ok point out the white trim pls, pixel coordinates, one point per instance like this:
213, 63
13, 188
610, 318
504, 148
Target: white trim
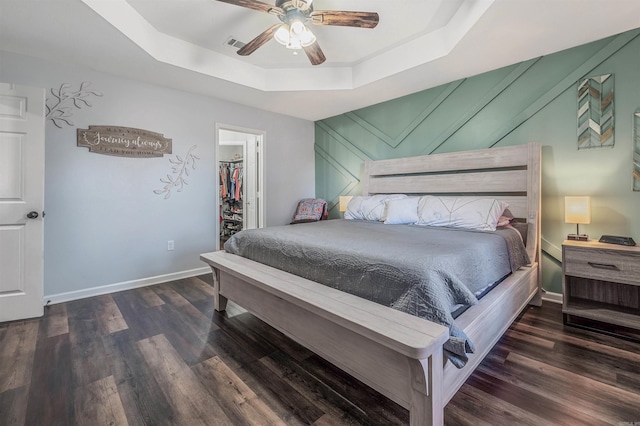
125, 285
552, 297
552, 250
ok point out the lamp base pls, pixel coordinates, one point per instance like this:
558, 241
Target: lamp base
578, 237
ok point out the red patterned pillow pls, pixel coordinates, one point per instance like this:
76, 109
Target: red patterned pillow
310, 210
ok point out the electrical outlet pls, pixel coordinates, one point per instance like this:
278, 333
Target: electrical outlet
170, 245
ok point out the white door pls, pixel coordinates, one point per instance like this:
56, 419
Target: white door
250, 183
21, 201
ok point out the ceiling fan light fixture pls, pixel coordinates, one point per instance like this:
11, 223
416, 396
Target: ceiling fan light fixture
294, 36
282, 34
307, 38
294, 43
297, 27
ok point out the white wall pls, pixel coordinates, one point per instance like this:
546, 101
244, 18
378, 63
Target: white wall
104, 224
227, 152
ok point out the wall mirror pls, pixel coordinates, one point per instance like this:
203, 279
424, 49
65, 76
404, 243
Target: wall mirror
595, 112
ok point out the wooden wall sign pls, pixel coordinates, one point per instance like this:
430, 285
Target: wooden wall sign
124, 141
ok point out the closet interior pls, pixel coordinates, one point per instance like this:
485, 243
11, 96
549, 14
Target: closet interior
231, 197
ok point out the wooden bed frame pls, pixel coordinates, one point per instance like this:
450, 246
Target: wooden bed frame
397, 354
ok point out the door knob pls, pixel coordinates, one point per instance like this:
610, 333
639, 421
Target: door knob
32, 215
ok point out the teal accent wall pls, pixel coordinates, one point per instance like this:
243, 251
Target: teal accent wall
534, 100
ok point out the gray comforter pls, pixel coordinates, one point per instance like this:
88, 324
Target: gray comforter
420, 270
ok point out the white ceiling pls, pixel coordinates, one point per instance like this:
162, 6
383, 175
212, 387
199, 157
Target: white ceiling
418, 44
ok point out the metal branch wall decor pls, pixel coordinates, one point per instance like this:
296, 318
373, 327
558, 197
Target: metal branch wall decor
595, 112
180, 169
60, 108
636, 151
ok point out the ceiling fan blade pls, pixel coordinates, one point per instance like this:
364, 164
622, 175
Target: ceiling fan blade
256, 5
344, 18
262, 38
315, 54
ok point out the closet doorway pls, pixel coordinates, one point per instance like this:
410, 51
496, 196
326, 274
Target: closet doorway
240, 182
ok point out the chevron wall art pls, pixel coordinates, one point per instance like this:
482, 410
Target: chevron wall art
595, 112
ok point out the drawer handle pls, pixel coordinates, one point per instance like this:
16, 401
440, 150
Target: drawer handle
603, 266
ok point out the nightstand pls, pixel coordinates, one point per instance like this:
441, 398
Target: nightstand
601, 282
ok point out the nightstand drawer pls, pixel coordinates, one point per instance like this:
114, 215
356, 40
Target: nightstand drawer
602, 264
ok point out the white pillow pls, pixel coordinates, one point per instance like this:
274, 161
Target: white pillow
369, 207
460, 212
402, 211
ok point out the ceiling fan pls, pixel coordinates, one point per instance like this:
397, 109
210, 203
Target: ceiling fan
293, 31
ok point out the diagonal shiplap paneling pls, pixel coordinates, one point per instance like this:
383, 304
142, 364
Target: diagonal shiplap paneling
477, 112
534, 100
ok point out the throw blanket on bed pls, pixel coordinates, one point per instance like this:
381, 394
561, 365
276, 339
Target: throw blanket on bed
420, 270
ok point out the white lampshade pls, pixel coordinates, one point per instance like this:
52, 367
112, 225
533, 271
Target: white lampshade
577, 210
282, 34
307, 38
297, 27
344, 200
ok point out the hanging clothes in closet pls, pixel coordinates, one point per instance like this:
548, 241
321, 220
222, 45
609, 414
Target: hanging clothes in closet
231, 215
224, 180
237, 181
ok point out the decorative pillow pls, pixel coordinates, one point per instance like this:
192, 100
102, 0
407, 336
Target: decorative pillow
310, 210
506, 218
402, 211
369, 207
522, 228
460, 212
503, 221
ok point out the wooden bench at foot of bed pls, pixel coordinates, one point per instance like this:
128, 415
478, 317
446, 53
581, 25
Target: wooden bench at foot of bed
397, 354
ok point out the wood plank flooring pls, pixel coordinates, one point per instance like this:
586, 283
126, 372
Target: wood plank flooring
161, 355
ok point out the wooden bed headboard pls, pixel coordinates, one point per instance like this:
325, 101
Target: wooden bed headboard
511, 174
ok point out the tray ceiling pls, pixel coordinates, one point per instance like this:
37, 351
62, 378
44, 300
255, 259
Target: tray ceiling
418, 44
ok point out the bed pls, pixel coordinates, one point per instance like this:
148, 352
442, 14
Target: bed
397, 354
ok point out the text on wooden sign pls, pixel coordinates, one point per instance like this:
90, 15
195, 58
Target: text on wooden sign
124, 141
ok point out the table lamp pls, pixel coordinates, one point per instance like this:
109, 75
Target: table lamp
577, 210
344, 200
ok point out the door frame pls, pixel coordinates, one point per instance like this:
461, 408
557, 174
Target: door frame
261, 175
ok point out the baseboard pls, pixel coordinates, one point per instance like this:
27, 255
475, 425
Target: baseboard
551, 249
159, 279
126, 285
552, 297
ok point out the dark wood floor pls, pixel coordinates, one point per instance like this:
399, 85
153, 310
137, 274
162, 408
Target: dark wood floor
161, 355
